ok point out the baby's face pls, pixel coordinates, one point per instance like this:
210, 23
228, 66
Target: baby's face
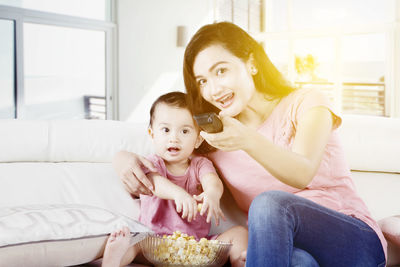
174, 133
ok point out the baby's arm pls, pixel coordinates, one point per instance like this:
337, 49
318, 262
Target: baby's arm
165, 189
212, 192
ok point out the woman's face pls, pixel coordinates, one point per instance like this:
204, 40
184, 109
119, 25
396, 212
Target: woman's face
224, 80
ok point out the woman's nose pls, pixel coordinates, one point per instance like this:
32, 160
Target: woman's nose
215, 89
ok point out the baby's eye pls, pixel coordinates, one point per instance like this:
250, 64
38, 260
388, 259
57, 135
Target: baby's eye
221, 71
165, 130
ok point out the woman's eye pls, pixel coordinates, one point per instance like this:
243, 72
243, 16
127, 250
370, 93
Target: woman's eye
201, 82
165, 130
221, 71
185, 131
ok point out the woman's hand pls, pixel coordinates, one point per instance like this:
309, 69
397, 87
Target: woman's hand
129, 168
235, 135
211, 206
186, 204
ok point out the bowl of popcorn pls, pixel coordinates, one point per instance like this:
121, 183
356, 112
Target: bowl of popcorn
179, 249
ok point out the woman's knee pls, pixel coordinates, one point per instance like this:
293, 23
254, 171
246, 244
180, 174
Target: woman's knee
269, 201
269, 208
301, 258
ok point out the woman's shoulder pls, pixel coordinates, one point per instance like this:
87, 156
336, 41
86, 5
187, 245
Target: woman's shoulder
303, 99
301, 93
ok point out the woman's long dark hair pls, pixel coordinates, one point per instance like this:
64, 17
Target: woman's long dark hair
268, 79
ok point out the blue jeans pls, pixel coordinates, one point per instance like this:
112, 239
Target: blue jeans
287, 230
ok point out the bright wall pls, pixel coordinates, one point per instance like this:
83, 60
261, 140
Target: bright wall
149, 61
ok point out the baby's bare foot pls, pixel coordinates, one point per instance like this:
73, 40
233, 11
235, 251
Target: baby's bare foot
116, 247
243, 256
241, 261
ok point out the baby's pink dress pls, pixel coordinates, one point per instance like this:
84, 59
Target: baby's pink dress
160, 214
332, 185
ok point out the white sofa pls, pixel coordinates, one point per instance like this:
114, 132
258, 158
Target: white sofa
68, 162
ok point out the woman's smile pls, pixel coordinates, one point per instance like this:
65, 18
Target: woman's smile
226, 100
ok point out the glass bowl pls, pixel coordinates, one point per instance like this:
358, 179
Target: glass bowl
163, 251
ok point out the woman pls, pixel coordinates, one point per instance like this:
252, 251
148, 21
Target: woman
279, 154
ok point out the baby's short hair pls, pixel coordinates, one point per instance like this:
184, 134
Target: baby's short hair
173, 99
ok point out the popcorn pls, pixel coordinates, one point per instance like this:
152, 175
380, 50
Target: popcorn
179, 248
199, 206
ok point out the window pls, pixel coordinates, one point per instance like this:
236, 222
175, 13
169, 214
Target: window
346, 48
314, 14
63, 61
363, 73
314, 63
62, 66
92, 9
244, 13
314, 59
278, 52
7, 69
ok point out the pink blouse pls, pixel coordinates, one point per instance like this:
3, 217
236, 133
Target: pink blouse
332, 185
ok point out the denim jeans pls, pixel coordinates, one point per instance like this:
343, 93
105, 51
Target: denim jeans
287, 230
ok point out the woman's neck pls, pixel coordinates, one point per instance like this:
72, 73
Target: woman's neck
258, 110
177, 168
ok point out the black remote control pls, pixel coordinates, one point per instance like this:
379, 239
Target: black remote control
209, 122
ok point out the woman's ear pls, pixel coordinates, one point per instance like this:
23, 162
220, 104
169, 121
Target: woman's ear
251, 65
199, 140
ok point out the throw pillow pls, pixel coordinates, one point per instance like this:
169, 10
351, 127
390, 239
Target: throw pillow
59, 235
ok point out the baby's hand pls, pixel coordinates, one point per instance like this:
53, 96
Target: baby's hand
211, 206
186, 204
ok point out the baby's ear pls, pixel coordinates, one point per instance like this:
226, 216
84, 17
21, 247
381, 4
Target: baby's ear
150, 131
199, 140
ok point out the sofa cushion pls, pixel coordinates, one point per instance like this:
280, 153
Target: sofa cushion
380, 191
96, 184
59, 235
25, 140
70, 140
371, 143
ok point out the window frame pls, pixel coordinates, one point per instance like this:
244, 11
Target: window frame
392, 61
22, 15
235, 12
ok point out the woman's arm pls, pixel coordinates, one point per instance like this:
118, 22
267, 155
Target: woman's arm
296, 167
128, 166
165, 189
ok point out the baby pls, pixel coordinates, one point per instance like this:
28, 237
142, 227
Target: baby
182, 180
